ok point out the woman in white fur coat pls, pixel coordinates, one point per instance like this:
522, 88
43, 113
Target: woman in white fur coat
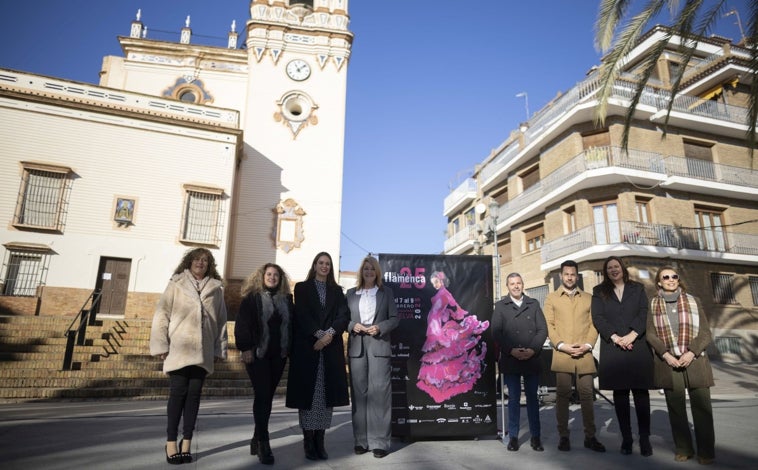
188, 332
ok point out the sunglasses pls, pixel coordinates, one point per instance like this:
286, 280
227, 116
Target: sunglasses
666, 277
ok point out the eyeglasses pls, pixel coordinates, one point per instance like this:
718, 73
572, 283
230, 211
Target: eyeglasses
666, 277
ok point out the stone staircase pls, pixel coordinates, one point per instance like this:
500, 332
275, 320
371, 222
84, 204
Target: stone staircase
113, 363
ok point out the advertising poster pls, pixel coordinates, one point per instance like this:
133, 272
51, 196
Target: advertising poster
443, 362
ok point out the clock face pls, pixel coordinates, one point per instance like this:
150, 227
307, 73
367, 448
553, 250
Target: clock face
298, 70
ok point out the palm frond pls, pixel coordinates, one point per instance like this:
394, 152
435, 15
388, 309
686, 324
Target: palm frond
690, 20
610, 67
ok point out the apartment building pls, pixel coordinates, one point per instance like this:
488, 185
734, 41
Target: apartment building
561, 187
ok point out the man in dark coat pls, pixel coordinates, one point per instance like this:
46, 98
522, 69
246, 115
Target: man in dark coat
520, 330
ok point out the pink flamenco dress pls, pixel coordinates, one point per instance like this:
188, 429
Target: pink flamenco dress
451, 364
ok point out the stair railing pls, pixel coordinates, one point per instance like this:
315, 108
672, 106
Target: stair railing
76, 336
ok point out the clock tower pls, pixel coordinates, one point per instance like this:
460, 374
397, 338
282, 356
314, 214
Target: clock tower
290, 180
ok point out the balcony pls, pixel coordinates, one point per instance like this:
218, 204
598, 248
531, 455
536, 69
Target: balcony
603, 166
462, 195
652, 240
459, 241
578, 105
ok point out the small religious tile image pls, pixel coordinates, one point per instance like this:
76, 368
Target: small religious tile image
124, 213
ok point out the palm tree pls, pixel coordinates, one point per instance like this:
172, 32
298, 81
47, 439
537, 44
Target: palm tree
690, 19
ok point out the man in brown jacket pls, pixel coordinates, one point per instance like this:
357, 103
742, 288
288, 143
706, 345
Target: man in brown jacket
570, 329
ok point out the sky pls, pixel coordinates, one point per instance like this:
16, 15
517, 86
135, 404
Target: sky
432, 86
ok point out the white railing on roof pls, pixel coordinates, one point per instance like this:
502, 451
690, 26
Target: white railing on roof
464, 190
119, 99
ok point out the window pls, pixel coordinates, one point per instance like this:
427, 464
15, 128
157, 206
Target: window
202, 215
606, 220
569, 220
598, 139
470, 217
43, 196
754, 289
539, 293
25, 268
710, 229
504, 251
699, 158
642, 209
455, 226
500, 195
721, 284
529, 177
675, 68
535, 238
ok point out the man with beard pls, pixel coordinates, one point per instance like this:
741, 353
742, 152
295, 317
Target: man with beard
570, 329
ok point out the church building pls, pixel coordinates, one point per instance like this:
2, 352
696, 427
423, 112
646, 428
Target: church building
180, 145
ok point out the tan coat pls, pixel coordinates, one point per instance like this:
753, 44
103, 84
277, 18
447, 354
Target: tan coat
569, 321
191, 335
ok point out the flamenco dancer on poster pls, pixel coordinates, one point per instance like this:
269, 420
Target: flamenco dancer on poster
452, 362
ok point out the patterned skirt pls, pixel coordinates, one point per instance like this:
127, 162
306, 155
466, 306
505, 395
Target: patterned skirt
319, 416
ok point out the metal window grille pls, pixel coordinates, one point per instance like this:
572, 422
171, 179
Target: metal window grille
202, 216
728, 344
24, 272
42, 199
722, 288
539, 293
754, 289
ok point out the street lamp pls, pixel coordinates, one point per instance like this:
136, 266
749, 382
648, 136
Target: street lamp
739, 23
524, 95
493, 208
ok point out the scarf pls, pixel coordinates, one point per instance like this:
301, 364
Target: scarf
689, 321
270, 304
199, 285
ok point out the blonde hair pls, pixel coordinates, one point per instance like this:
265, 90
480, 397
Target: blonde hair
254, 282
375, 264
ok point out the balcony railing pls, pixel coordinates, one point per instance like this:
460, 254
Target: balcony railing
466, 190
591, 159
499, 161
463, 235
655, 235
705, 170
606, 157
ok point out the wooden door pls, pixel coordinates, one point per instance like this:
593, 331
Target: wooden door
113, 282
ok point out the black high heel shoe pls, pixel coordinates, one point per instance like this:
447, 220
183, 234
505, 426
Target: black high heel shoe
186, 456
175, 459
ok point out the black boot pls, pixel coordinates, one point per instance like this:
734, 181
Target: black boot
264, 452
646, 449
254, 444
320, 450
309, 444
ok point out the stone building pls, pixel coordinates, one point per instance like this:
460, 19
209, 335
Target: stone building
560, 187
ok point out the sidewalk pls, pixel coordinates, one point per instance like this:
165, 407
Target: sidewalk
130, 434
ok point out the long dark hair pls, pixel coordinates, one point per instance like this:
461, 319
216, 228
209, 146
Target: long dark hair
329, 277
195, 253
606, 287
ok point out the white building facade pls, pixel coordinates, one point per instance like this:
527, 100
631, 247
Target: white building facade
181, 145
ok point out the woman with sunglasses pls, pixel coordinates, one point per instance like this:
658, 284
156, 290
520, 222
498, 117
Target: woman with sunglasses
678, 332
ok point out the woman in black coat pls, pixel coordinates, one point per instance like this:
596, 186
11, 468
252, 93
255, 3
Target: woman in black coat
263, 333
317, 379
619, 312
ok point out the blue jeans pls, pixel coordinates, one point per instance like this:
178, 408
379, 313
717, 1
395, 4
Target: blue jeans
531, 384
